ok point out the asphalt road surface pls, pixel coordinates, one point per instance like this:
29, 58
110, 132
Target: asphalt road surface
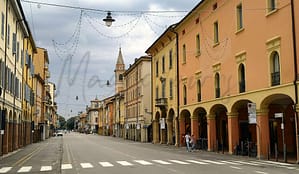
76, 153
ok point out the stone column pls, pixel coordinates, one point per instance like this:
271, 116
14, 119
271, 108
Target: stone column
177, 134
194, 127
233, 131
262, 129
155, 131
5, 138
10, 135
211, 120
182, 131
169, 132
16, 135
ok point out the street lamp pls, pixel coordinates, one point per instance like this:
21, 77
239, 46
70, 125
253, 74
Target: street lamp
108, 20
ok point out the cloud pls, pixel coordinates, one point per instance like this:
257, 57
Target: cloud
96, 46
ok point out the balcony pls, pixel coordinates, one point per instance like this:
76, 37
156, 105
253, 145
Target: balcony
161, 103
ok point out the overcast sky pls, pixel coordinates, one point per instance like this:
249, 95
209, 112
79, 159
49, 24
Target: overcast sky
83, 51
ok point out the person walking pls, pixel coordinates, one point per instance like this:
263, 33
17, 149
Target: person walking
187, 139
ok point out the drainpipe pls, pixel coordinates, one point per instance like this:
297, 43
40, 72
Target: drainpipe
178, 91
295, 76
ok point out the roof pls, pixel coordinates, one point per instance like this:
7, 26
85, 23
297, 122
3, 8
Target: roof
120, 59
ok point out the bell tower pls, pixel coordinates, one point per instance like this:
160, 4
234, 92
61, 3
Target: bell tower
119, 71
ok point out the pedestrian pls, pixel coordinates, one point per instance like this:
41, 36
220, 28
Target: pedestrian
187, 139
192, 142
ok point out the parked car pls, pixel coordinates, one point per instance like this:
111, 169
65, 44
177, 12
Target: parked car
58, 133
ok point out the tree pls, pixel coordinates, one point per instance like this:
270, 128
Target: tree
70, 123
62, 122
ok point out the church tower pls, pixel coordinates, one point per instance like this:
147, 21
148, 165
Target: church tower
119, 70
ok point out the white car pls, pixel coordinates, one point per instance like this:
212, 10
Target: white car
59, 133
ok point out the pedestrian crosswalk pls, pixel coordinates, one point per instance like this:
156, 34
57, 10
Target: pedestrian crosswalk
233, 164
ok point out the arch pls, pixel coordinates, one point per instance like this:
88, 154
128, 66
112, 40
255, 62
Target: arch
185, 123
200, 114
171, 127
243, 132
280, 103
221, 125
156, 128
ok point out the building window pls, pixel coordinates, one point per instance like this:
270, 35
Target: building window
215, 6
185, 95
120, 77
216, 33
8, 35
275, 73
163, 64
239, 17
157, 68
198, 90
184, 53
271, 5
170, 59
197, 44
170, 90
217, 85
2, 25
157, 92
241, 78
163, 89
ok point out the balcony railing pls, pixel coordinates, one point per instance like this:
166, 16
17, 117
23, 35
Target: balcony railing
161, 102
275, 78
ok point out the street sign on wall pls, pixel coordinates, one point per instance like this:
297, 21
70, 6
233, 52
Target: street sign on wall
251, 113
162, 123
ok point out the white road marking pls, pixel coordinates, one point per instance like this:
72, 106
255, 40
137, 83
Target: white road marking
278, 163
248, 163
106, 164
178, 162
161, 162
5, 169
229, 162
124, 163
66, 166
45, 168
196, 162
86, 165
260, 172
234, 167
25, 169
213, 162
143, 162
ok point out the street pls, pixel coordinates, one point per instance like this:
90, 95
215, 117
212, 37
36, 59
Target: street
75, 153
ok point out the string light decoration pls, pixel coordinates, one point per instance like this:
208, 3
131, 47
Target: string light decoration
127, 21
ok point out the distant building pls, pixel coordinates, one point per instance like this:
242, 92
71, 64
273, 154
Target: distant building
138, 100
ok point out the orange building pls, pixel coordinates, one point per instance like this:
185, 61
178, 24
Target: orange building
234, 55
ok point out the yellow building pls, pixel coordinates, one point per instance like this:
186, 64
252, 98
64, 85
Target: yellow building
28, 89
41, 68
137, 100
164, 84
13, 46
